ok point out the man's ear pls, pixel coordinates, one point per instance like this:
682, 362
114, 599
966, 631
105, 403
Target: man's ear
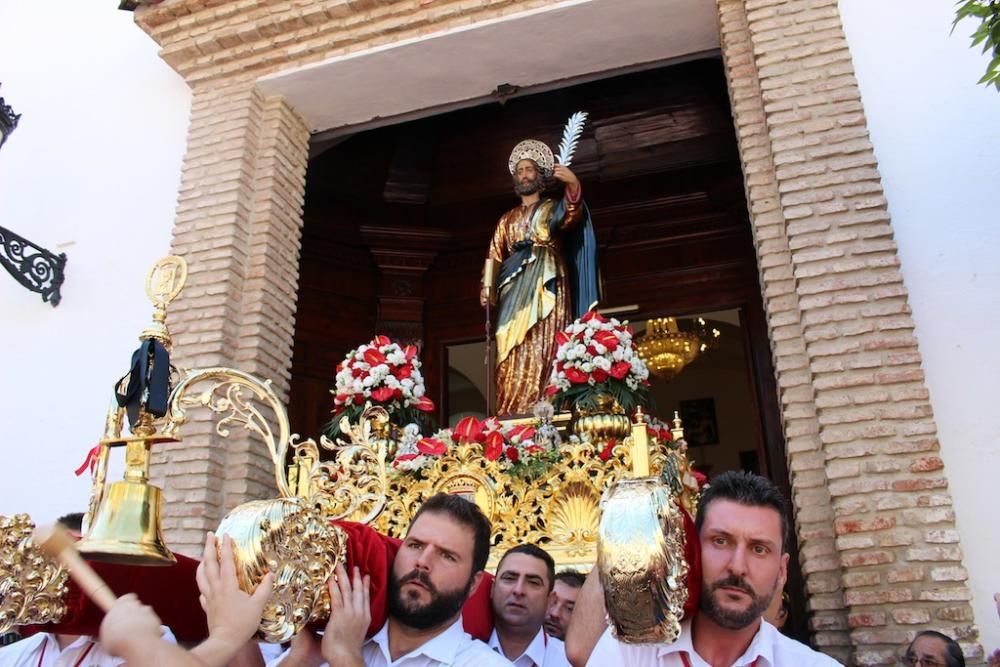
477, 579
552, 599
784, 568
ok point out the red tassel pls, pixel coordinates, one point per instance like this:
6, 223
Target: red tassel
90, 461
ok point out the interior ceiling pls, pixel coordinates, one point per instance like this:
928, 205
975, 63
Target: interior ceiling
562, 42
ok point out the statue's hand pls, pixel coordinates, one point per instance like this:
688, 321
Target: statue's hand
563, 173
484, 294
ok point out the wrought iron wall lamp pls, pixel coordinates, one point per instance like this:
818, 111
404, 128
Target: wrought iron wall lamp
31, 265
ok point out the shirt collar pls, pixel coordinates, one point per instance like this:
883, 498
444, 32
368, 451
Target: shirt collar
762, 646
535, 650
442, 647
52, 644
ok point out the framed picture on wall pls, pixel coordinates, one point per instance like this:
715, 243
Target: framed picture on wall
700, 426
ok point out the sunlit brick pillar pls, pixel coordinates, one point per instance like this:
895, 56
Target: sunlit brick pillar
876, 530
239, 227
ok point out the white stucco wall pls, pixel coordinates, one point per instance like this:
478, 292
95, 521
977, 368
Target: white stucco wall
937, 138
92, 170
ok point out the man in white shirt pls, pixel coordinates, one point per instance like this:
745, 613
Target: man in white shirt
438, 566
743, 533
520, 597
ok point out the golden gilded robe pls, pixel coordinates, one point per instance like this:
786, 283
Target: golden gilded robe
535, 301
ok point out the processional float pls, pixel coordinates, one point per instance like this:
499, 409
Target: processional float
640, 476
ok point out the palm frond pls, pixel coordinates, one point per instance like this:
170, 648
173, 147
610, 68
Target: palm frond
571, 133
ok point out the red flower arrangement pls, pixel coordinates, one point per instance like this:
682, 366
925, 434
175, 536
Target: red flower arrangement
595, 356
381, 373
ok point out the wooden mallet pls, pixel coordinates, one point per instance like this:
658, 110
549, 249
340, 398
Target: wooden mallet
56, 542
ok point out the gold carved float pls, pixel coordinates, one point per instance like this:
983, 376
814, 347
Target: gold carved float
317, 482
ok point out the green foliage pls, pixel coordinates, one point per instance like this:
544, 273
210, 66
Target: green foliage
586, 395
987, 34
398, 415
533, 467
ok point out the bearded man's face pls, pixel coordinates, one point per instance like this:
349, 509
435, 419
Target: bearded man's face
528, 178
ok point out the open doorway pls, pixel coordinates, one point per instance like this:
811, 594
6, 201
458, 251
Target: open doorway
398, 219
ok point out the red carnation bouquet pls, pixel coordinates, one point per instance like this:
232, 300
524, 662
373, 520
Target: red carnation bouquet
595, 356
381, 373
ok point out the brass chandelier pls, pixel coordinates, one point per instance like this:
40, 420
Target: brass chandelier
667, 347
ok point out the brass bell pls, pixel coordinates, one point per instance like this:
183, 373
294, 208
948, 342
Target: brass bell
126, 527
123, 522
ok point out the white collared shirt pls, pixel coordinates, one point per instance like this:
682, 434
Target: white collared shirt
543, 651
769, 648
452, 648
84, 652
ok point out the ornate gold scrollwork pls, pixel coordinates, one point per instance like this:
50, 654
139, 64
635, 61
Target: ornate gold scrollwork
234, 396
292, 539
290, 536
32, 586
352, 483
559, 510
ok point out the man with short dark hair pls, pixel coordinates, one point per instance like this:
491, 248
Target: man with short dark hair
933, 649
521, 594
743, 534
437, 567
567, 587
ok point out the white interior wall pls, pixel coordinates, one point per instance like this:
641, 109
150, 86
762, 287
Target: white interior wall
936, 135
93, 171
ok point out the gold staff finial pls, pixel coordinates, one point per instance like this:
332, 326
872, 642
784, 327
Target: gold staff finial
165, 281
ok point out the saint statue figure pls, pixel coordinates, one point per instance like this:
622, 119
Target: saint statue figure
547, 278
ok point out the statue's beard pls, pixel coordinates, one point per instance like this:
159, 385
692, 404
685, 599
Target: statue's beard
441, 607
522, 188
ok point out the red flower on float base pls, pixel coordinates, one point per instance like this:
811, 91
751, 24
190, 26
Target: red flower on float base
469, 429
494, 446
512, 446
608, 448
431, 447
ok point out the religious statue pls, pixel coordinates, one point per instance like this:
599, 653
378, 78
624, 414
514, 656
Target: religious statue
547, 278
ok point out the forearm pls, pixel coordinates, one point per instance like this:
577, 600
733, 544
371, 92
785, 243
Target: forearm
572, 205
588, 622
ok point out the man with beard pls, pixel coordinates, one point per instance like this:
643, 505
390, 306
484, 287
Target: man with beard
743, 533
548, 274
438, 566
564, 593
521, 594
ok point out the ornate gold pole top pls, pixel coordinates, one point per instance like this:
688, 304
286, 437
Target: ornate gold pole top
163, 283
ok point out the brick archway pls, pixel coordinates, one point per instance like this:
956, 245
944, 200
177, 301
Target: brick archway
878, 543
